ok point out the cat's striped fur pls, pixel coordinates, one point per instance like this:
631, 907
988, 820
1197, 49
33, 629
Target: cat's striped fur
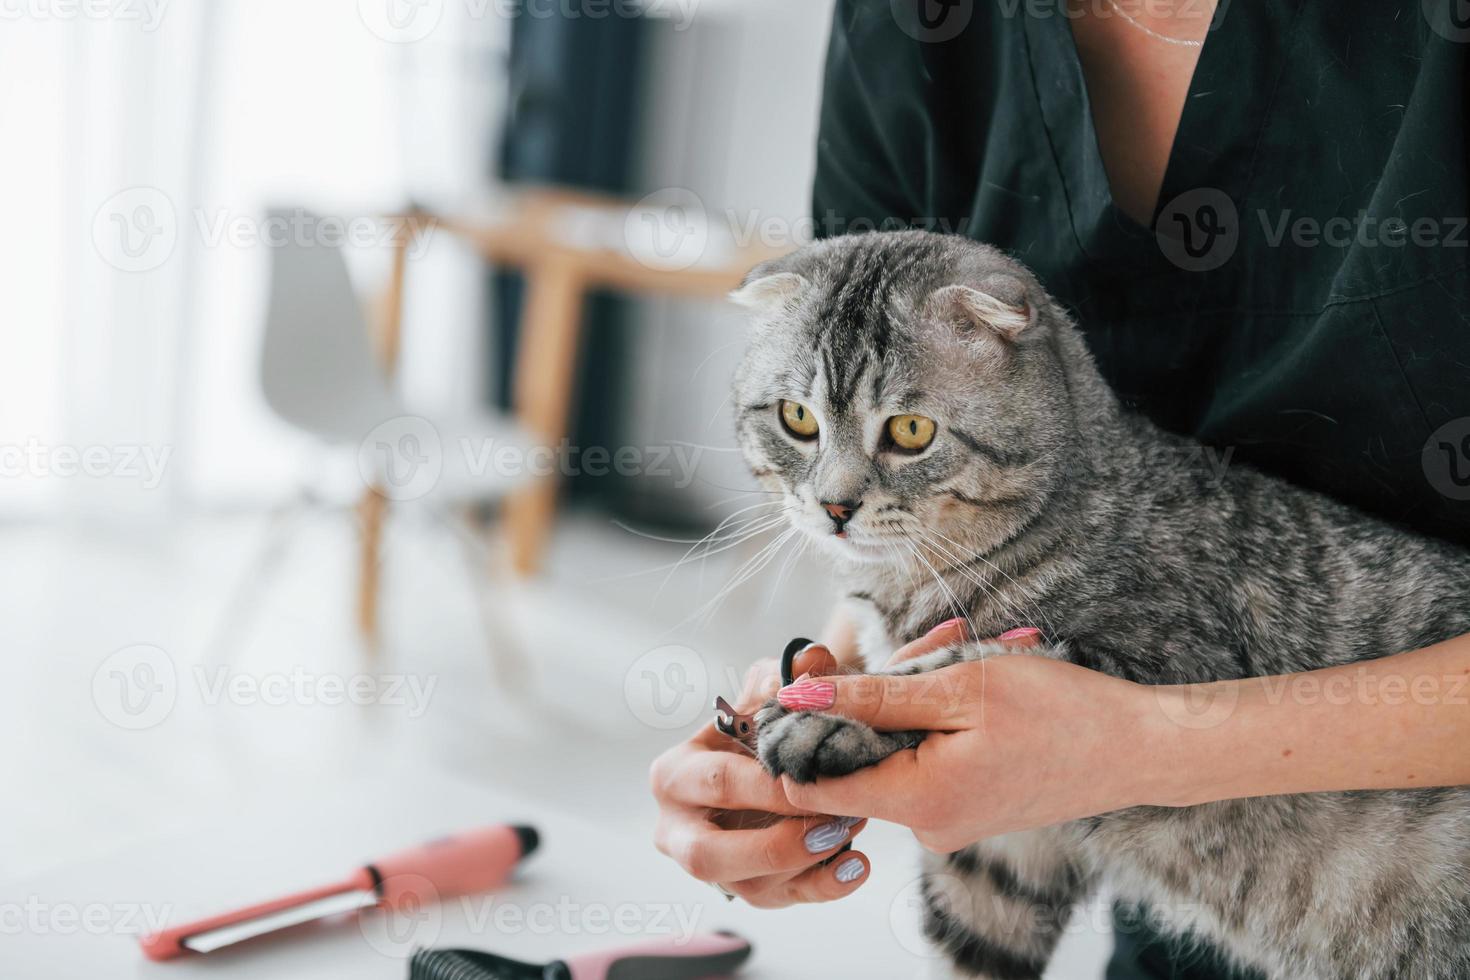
1043, 502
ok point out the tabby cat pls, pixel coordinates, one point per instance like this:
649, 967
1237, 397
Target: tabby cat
935, 422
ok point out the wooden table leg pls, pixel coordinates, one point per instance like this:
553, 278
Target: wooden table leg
551, 323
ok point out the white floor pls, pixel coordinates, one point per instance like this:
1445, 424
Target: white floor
140, 702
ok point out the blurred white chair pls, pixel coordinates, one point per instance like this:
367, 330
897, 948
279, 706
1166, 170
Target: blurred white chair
319, 373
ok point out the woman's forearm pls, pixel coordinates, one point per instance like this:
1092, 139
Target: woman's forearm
1399, 722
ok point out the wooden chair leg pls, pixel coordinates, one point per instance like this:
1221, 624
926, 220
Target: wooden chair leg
388, 323
550, 328
372, 508
371, 511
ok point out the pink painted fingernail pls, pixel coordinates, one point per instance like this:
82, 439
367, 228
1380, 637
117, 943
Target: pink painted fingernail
947, 624
1022, 633
807, 695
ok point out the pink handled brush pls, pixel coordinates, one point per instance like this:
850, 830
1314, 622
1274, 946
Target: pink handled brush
461, 864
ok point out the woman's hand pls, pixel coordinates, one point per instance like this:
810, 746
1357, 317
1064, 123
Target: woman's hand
1017, 742
725, 820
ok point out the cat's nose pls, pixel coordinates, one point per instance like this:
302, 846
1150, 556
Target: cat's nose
840, 511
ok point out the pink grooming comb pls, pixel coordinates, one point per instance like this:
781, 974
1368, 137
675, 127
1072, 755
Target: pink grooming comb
460, 864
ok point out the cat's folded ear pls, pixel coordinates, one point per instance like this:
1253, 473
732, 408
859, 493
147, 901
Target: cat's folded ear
998, 304
768, 288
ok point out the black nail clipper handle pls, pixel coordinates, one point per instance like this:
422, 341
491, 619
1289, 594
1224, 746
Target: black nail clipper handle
788, 657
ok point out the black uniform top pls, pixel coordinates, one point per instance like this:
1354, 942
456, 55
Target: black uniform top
1302, 296
1306, 296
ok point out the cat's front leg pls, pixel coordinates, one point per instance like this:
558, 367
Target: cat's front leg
997, 909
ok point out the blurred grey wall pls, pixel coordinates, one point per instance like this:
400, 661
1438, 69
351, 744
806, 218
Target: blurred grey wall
730, 113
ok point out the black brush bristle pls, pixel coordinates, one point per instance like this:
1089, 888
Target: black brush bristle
469, 964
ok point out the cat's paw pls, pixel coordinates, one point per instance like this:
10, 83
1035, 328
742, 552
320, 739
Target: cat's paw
808, 745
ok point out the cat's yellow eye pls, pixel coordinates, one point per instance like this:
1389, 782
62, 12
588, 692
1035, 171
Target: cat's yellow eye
911, 432
798, 420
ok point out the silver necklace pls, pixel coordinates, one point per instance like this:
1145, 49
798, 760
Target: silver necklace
1149, 31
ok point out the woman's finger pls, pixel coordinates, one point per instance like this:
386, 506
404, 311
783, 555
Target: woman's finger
1021, 637
719, 780
891, 790
956, 630
765, 892
841, 876
814, 659
710, 853
935, 700
947, 632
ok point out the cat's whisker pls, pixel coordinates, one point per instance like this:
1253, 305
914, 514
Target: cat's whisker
962, 613
747, 530
739, 495
902, 562
769, 523
732, 542
1018, 611
748, 508
649, 535
720, 486
710, 356
735, 526
732, 539
752, 567
1026, 594
952, 564
802, 542
703, 448
954, 602
718, 409
957, 564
